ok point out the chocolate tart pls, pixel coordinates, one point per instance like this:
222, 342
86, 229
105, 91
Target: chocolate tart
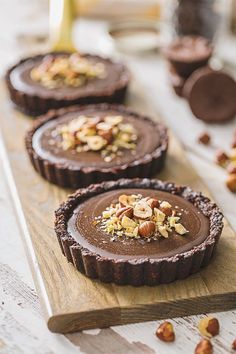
71, 169
188, 53
131, 261
33, 98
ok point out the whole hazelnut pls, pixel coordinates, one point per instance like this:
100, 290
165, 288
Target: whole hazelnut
147, 229
209, 326
234, 345
165, 332
231, 182
204, 347
204, 138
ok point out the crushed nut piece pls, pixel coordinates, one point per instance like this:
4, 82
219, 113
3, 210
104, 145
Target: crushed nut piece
125, 211
180, 229
165, 332
142, 210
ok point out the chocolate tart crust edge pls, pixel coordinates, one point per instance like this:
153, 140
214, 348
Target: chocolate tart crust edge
35, 105
141, 271
64, 176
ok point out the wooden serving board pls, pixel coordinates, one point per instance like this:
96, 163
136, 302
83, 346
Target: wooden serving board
73, 302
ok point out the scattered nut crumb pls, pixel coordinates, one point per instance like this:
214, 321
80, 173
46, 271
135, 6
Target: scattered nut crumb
204, 347
165, 332
204, 138
221, 158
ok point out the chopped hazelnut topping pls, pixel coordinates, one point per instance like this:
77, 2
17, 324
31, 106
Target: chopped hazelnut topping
96, 134
132, 216
73, 70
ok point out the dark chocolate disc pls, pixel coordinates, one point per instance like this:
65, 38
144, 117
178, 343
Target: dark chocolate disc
211, 95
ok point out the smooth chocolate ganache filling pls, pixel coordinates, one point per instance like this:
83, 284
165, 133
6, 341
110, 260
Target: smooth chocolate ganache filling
22, 79
143, 140
85, 228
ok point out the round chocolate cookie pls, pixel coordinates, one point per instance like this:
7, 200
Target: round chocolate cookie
80, 145
211, 95
37, 84
138, 232
188, 53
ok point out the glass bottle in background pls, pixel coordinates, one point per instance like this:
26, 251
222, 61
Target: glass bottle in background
197, 17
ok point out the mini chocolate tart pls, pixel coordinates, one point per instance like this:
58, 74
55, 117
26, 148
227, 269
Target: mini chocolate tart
76, 146
188, 53
37, 84
138, 232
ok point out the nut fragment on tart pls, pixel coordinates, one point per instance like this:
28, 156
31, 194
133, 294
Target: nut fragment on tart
76, 146
138, 231
37, 84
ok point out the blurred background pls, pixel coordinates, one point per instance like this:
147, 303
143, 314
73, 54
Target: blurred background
135, 26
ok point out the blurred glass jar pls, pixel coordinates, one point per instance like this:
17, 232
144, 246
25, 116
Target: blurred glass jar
198, 17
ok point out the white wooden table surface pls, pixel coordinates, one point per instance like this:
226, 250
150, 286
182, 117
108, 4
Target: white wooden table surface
23, 24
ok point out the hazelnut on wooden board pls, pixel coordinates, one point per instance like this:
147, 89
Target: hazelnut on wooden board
204, 138
204, 347
209, 326
147, 229
165, 332
231, 182
221, 158
234, 345
231, 169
